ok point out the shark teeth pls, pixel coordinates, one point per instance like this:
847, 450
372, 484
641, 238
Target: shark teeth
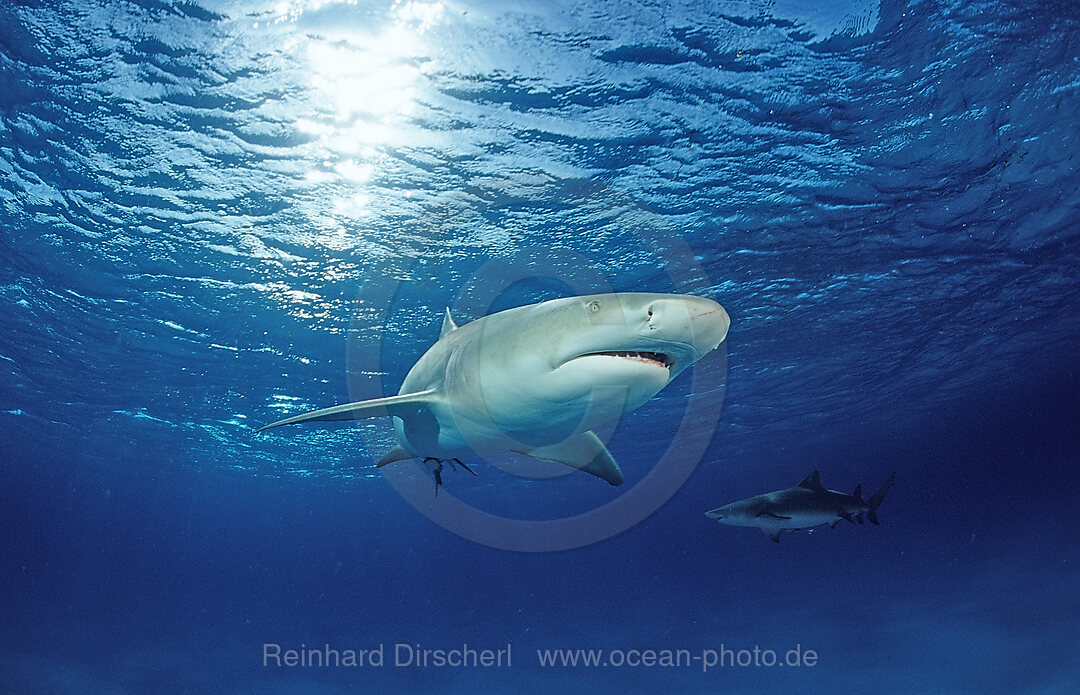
640, 356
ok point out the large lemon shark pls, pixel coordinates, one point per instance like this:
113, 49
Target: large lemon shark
539, 378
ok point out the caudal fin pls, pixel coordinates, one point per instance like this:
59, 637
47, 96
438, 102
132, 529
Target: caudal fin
874, 502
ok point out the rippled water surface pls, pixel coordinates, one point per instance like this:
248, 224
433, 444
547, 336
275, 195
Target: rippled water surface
215, 214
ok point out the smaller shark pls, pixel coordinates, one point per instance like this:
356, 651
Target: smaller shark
801, 507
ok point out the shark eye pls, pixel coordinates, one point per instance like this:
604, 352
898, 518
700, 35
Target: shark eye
594, 306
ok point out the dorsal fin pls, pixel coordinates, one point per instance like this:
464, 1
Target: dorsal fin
812, 482
858, 494
447, 324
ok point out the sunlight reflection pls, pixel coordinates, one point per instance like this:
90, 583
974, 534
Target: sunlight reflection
363, 72
366, 79
360, 70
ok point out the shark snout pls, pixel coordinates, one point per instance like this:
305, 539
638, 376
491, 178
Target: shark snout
696, 321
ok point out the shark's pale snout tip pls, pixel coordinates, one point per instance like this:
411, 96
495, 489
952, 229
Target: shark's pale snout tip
711, 325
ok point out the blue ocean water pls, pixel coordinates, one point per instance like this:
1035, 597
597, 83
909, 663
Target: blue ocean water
217, 213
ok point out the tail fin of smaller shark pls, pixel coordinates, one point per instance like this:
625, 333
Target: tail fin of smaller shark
874, 502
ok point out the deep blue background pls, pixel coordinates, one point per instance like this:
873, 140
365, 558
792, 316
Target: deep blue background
208, 210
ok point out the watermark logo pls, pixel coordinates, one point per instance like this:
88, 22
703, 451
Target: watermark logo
635, 500
465, 655
398, 655
705, 659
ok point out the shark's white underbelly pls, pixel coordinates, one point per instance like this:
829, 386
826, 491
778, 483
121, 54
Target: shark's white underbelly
466, 426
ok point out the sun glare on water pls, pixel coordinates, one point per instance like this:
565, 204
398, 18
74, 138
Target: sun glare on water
362, 72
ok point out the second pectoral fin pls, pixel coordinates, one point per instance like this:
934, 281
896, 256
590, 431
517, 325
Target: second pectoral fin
585, 452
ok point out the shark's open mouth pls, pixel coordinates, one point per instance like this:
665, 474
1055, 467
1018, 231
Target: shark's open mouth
657, 358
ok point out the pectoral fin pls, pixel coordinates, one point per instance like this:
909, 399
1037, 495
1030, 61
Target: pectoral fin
585, 452
772, 533
770, 515
377, 407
